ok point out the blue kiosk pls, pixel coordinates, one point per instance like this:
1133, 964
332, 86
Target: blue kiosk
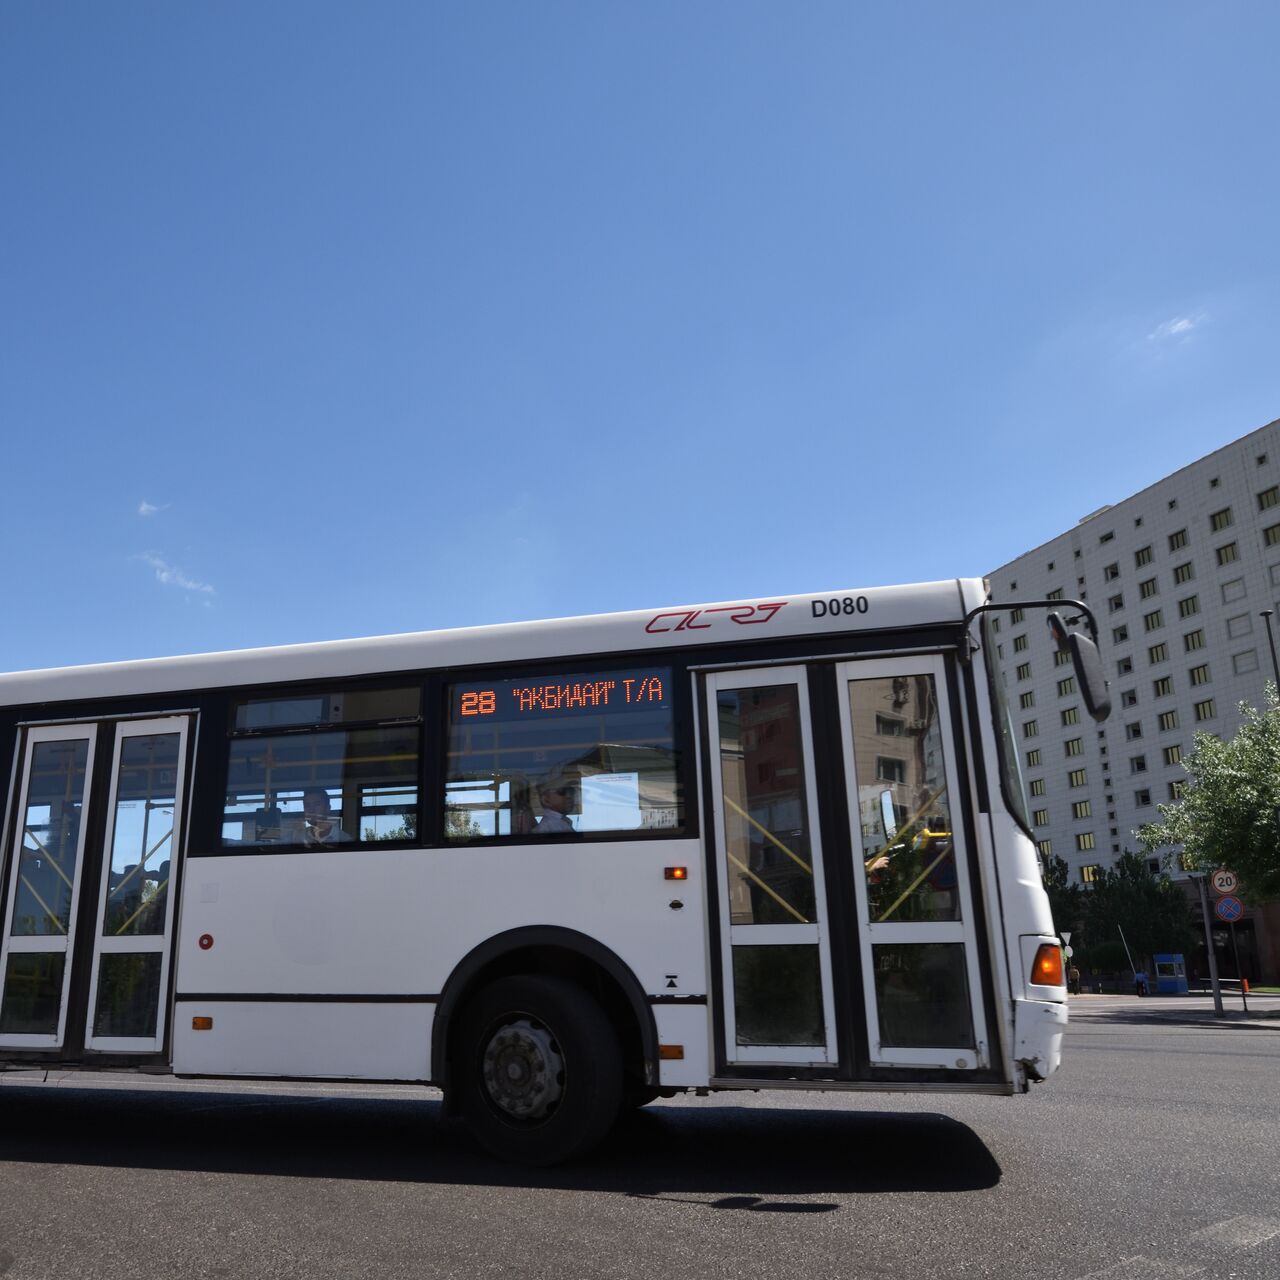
1171, 975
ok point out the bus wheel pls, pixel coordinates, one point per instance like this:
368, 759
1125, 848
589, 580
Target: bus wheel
538, 1070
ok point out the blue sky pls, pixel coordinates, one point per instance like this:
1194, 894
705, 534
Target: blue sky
323, 320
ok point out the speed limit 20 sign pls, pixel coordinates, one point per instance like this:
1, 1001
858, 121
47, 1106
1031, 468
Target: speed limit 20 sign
1224, 881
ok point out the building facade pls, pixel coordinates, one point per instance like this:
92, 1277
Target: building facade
1177, 576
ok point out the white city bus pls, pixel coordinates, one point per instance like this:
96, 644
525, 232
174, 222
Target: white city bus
555, 868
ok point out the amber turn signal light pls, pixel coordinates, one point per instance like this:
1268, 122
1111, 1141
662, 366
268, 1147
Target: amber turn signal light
675, 873
1046, 969
201, 1024
670, 1052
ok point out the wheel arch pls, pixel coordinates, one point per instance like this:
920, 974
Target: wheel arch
552, 949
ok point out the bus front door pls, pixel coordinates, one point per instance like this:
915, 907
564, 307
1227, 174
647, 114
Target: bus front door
89, 901
847, 942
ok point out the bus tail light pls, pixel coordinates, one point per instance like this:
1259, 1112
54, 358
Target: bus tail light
1046, 968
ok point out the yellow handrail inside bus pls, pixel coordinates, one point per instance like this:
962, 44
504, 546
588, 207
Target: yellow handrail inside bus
768, 835
782, 902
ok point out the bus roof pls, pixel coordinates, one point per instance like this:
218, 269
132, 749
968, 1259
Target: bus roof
771, 617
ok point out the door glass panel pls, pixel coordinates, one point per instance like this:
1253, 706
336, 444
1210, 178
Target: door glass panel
923, 995
768, 865
903, 806
142, 836
50, 839
32, 993
778, 995
128, 994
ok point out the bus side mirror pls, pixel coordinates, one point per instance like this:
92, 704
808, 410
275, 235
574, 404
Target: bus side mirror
1088, 669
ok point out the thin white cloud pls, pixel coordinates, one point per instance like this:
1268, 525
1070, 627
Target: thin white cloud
146, 508
1179, 327
171, 576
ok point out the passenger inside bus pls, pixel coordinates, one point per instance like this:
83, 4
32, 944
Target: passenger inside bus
557, 803
320, 824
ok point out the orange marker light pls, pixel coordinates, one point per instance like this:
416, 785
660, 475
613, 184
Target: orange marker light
1046, 969
201, 1024
671, 1052
675, 873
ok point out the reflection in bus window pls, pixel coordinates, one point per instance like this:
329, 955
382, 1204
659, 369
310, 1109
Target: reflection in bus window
332, 780
562, 756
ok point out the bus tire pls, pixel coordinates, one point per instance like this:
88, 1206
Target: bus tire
537, 1070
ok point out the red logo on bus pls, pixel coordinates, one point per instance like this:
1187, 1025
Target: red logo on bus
745, 615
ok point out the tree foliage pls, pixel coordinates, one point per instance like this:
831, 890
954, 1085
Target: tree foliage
1228, 813
1152, 911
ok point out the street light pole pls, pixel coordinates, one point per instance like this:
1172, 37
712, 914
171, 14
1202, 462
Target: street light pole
1198, 877
1271, 640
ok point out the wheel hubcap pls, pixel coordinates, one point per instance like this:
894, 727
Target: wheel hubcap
523, 1071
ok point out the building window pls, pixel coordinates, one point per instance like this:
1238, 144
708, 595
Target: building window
1168, 720
1220, 520
1193, 640
1081, 809
1163, 687
1116, 603
1074, 746
1200, 674
1077, 778
1110, 572
1040, 818
1178, 540
1142, 556
1240, 625
1133, 731
891, 769
1084, 840
1119, 635
1030, 729
1037, 786
1045, 848
1071, 715
1091, 874
1205, 710
1152, 621
1183, 573
1055, 594
1033, 758
995, 624
1189, 606
1137, 764
1177, 788
1061, 657
1148, 587
1269, 498
1016, 616
1106, 537
1233, 591
1027, 700
1158, 653
1142, 799
1228, 553
890, 726
1173, 755
1024, 671
1271, 534
1019, 643
1066, 686
1124, 666
1243, 663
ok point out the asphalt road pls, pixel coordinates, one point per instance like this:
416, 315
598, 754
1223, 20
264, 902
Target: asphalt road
1152, 1154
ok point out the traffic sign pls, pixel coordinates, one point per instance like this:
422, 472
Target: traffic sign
1229, 909
1225, 881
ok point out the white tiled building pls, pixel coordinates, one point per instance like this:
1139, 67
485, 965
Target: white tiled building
1177, 576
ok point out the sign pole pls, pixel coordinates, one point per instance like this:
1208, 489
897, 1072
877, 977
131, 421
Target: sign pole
1208, 946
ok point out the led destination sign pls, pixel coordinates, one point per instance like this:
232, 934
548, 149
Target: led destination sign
561, 695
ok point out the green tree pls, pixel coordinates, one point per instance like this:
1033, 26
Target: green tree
1228, 814
1153, 911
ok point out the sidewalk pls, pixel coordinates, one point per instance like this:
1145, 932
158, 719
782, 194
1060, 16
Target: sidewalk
1192, 1009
